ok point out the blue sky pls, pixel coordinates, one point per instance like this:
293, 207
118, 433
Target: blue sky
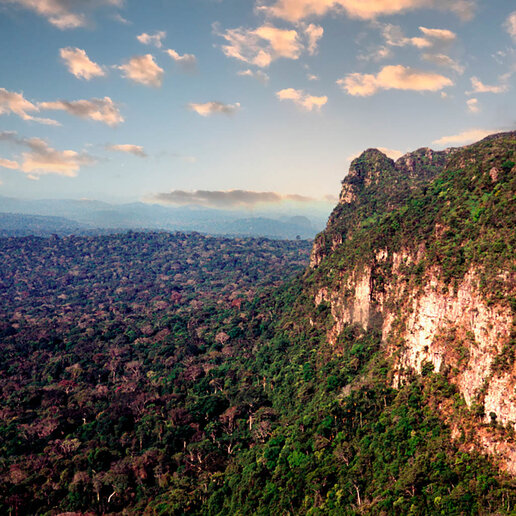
185, 101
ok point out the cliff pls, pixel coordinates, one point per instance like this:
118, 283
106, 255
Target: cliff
423, 251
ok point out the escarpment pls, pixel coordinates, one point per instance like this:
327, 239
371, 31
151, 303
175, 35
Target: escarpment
422, 250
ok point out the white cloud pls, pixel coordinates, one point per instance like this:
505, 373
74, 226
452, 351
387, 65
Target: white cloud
17, 104
42, 159
510, 25
473, 106
302, 99
63, 14
186, 61
312, 77
263, 45
101, 110
480, 87
296, 10
214, 107
469, 136
259, 75
396, 77
136, 150
445, 61
152, 39
79, 64
144, 70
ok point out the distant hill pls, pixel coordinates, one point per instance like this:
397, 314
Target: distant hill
16, 224
84, 216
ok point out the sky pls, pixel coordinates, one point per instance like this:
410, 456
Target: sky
240, 103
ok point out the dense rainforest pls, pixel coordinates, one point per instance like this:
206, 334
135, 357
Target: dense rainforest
154, 373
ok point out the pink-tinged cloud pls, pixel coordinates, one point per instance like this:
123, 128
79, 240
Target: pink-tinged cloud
79, 64
473, 106
136, 150
444, 61
395, 37
314, 33
302, 99
397, 77
101, 110
7, 163
297, 10
510, 25
255, 74
152, 39
213, 108
262, 46
42, 159
15, 103
480, 87
143, 70
472, 135
63, 14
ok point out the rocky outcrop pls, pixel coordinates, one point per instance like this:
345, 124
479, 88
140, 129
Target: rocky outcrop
375, 184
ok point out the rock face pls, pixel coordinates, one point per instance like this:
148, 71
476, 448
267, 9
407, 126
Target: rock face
402, 288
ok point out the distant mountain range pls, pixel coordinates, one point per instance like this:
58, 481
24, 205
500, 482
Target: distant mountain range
20, 217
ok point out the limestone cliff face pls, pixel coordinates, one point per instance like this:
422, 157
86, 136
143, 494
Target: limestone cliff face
403, 291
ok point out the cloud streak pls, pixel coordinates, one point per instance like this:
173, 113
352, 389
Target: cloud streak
480, 87
473, 106
15, 103
472, 135
101, 110
143, 70
136, 150
444, 61
303, 100
259, 75
41, 159
510, 25
397, 77
297, 10
187, 62
79, 64
213, 108
225, 198
63, 14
